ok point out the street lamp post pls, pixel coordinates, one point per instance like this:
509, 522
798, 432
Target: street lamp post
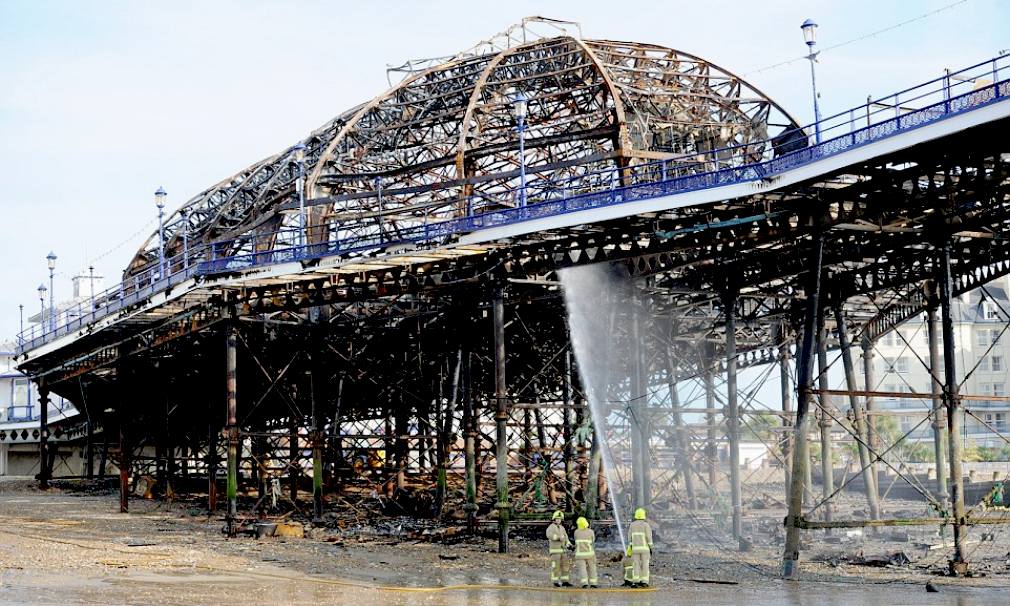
42, 307
520, 105
51, 261
300, 187
159, 201
21, 320
810, 37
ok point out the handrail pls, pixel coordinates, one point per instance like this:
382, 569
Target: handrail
876, 119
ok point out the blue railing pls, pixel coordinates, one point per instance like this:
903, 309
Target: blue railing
953, 93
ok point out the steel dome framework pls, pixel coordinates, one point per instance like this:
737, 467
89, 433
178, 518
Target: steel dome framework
443, 142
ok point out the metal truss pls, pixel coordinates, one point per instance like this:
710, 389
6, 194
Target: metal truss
445, 137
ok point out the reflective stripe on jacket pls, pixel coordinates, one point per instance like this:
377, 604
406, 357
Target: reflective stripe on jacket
641, 536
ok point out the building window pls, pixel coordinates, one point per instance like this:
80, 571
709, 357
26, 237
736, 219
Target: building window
992, 390
20, 392
986, 336
995, 420
991, 311
901, 365
906, 424
995, 363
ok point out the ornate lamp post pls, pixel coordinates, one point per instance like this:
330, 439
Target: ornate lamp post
810, 37
159, 201
51, 262
42, 306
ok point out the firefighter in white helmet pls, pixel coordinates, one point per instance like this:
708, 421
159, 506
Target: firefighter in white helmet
557, 546
641, 548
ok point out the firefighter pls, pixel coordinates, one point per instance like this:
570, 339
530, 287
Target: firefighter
585, 554
557, 544
641, 548
629, 569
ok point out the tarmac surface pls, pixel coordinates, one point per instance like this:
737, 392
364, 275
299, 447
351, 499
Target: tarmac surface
72, 548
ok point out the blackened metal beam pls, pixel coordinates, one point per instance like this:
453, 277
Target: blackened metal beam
804, 371
733, 413
43, 435
955, 411
231, 412
501, 419
936, 389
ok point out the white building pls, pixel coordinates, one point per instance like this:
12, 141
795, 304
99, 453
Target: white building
20, 406
901, 364
19, 417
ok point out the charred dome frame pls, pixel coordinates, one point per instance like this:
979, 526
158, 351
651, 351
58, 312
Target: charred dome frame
443, 142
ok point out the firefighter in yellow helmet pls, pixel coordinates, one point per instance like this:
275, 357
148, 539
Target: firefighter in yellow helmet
585, 554
629, 569
641, 548
557, 544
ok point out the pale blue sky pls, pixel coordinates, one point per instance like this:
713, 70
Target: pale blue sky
102, 102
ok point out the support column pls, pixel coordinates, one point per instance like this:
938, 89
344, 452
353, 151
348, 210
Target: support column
445, 437
338, 462
501, 418
171, 465
470, 454
211, 462
89, 451
733, 414
43, 435
936, 388
638, 406
858, 418
293, 463
317, 395
231, 406
160, 441
804, 371
592, 488
682, 439
870, 385
787, 404
124, 465
827, 464
401, 444
566, 432
955, 412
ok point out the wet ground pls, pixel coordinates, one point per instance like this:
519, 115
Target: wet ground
64, 548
